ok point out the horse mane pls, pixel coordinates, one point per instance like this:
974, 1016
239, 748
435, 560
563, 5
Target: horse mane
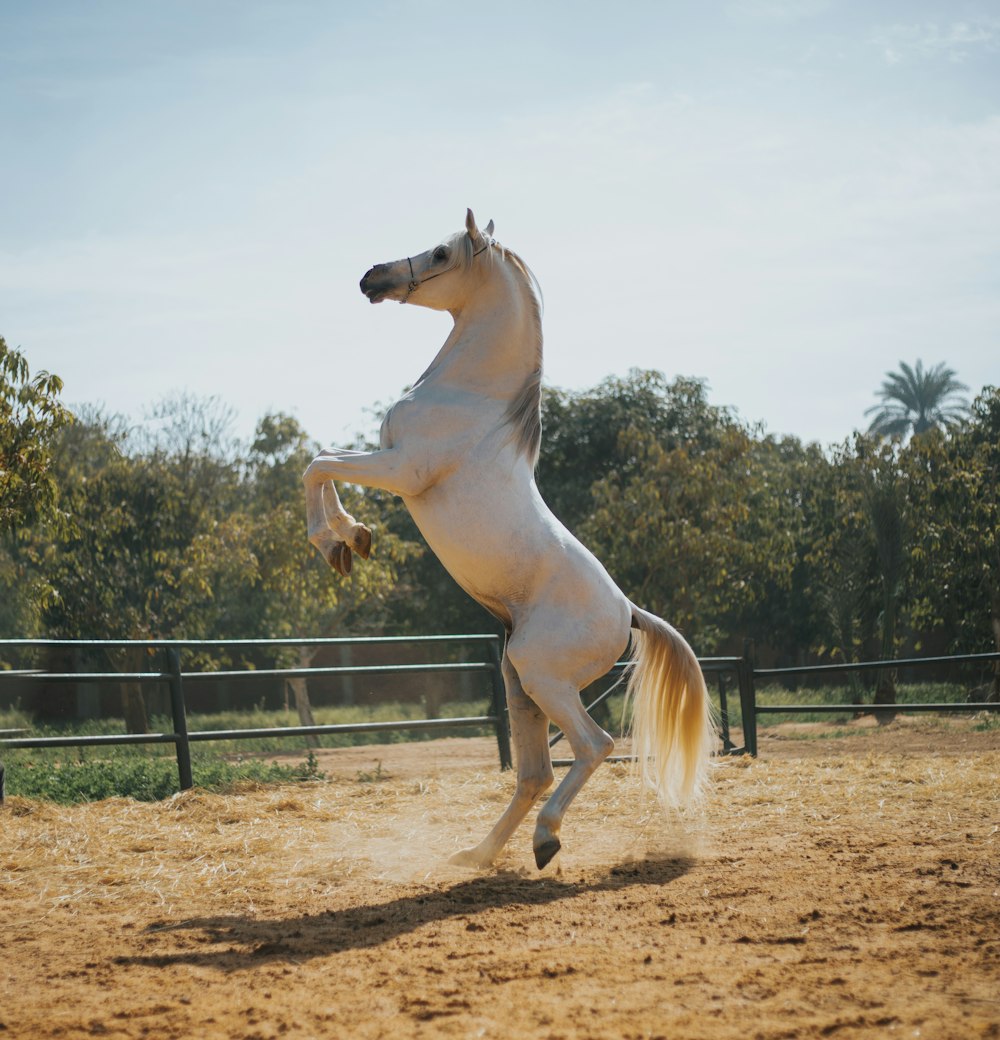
524, 413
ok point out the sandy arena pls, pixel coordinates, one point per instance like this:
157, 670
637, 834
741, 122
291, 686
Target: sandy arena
833, 888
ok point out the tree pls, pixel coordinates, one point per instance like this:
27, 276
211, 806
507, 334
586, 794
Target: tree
581, 432
914, 401
181, 534
886, 507
115, 572
788, 490
684, 518
956, 481
294, 592
30, 417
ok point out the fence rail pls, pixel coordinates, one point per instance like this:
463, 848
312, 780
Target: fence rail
750, 721
175, 678
738, 671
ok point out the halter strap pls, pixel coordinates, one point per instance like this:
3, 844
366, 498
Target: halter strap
415, 283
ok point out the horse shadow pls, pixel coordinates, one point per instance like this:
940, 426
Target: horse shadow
246, 943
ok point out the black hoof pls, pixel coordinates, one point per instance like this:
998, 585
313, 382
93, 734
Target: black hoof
545, 852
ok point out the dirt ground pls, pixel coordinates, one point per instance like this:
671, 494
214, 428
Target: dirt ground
836, 887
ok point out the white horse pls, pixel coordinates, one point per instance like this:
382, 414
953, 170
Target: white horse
460, 449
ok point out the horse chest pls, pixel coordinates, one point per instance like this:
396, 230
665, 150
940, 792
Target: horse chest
434, 421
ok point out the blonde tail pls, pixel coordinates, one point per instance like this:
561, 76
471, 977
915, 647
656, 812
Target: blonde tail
672, 724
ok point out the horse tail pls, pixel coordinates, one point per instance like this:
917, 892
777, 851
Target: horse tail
672, 720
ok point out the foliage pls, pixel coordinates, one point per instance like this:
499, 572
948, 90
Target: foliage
172, 528
30, 417
144, 778
915, 401
183, 537
582, 433
956, 487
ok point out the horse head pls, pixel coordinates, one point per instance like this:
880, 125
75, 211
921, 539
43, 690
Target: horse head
438, 278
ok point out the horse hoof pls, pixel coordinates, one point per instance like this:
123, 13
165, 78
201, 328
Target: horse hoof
545, 852
362, 543
340, 559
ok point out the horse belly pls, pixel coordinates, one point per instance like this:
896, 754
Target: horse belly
478, 544
512, 555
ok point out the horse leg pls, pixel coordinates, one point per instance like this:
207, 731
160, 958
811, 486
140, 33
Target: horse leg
529, 727
389, 469
332, 530
560, 700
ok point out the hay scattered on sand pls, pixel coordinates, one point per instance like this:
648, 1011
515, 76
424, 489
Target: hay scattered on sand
820, 894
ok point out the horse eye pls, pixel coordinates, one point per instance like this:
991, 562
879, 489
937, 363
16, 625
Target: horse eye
440, 253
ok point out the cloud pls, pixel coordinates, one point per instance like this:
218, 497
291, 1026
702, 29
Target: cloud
929, 40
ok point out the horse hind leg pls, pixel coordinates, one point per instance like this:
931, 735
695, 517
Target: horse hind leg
529, 730
560, 700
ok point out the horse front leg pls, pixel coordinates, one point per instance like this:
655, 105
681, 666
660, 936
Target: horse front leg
332, 530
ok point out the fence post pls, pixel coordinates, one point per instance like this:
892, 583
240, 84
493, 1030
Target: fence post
498, 707
182, 743
727, 745
748, 697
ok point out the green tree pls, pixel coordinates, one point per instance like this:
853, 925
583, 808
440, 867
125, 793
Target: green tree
788, 487
686, 522
914, 401
30, 417
582, 433
956, 480
886, 506
115, 572
860, 556
294, 592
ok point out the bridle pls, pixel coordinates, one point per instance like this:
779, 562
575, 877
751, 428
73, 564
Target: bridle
415, 283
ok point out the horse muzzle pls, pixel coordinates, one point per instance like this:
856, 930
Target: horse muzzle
375, 285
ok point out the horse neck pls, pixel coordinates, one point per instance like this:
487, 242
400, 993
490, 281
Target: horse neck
495, 346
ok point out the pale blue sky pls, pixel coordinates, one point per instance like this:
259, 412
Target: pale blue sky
785, 197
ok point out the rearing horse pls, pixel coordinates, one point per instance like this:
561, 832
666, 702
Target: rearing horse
460, 449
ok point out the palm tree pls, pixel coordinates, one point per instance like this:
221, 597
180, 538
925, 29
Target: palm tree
914, 401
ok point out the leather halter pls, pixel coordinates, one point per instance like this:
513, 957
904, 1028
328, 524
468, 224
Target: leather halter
415, 283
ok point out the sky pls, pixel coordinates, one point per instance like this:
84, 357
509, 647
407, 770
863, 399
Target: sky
785, 198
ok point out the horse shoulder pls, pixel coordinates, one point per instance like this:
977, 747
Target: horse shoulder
436, 421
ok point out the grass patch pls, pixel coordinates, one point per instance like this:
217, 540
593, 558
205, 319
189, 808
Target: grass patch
133, 773
148, 772
988, 724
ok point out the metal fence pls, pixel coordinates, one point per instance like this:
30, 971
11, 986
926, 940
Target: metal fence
176, 679
730, 674
783, 674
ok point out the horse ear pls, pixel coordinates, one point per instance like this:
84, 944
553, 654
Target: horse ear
489, 229
470, 225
